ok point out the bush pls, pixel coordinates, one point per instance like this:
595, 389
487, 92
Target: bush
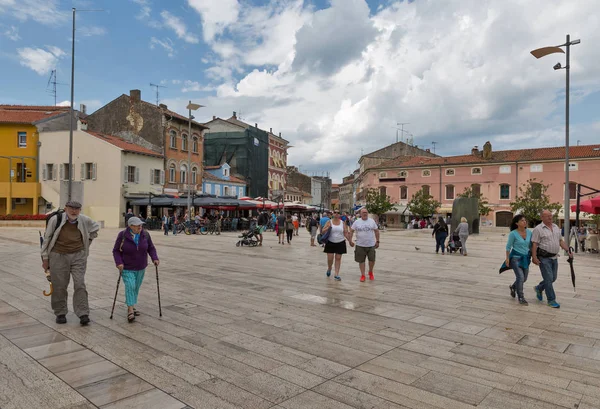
22, 217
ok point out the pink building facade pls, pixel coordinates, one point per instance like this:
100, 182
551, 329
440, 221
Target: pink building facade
497, 175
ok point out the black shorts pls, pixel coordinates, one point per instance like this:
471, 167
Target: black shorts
335, 248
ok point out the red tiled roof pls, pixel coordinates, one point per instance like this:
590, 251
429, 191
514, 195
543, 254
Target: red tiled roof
29, 114
125, 145
521, 155
232, 179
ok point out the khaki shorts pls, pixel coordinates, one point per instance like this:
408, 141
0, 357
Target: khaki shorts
362, 253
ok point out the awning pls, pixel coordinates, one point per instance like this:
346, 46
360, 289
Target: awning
588, 206
399, 209
582, 215
444, 209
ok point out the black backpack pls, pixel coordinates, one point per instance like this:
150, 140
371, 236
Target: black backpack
58, 213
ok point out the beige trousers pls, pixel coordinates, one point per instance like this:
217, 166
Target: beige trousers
62, 267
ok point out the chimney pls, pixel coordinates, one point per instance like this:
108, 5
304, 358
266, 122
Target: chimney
255, 125
135, 95
163, 106
234, 115
428, 150
475, 150
82, 108
214, 117
271, 130
280, 134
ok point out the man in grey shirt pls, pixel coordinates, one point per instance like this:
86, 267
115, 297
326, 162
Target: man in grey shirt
546, 244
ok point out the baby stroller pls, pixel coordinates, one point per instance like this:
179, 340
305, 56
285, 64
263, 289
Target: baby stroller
454, 244
248, 238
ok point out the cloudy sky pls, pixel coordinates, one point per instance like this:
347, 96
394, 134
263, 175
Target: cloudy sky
334, 76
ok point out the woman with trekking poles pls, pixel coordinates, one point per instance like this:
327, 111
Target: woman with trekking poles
131, 250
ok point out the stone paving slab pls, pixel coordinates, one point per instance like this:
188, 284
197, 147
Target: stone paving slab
264, 328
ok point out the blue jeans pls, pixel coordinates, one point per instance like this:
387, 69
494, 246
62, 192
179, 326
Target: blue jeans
440, 240
549, 269
174, 229
520, 275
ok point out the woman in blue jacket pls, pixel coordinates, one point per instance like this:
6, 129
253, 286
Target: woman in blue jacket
131, 250
518, 255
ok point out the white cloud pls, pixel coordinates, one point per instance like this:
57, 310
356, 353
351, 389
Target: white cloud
88, 31
12, 33
195, 86
179, 27
63, 104
216, 15
166, 44
40, 60
46, 12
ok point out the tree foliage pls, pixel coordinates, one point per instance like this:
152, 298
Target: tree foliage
532, 199
423, 205
378, 203
484, 209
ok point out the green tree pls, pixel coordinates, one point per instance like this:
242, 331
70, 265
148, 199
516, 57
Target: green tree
532, 199
378, 203
484, 209
423, 205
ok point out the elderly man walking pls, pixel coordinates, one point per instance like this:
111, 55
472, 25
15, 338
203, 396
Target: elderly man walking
64, 252
367, 240
546, 244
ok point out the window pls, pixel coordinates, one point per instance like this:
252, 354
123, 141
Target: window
403, 174
476, 189
536, 168
383, 190
449, 192
172, 173
425, 189
572, 190
476, 171
183, 174
130, 174
217, 190
208, 188
505, 192
173, 139
225, 190
88, 171
536, 190
65, 171
50, 172
505, 169
225, 172
234, 191
573, 166
156, 177
403, 193
22, 139
426, 173
194, 175
449, 172
184, 142
195, 144
382, 174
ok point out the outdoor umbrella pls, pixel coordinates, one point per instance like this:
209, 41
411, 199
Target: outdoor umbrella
570, 260
47, 272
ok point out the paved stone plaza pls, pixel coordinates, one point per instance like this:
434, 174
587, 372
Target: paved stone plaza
264, 328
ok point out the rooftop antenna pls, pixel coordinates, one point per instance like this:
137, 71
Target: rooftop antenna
434, 143
401, 128
52, 81
157, 92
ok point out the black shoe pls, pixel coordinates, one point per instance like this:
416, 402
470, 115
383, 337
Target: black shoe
84, 320
513, 294
61, 319
523, 301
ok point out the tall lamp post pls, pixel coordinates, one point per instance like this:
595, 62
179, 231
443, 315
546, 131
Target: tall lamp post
190, 107
542, 52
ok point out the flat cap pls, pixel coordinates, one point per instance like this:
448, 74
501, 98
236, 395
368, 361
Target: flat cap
74, 204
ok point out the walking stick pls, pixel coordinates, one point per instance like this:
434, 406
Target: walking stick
116, 292
47, 272
158, 291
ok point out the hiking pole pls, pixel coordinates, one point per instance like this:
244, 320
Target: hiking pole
116, 292
158, 291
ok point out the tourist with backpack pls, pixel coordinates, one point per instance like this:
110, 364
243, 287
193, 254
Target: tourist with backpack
130, 252
65, 250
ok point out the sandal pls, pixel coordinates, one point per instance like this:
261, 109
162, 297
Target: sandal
136, 312
131, 317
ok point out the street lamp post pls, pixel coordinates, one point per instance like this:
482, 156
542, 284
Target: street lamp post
190, 107
539, 53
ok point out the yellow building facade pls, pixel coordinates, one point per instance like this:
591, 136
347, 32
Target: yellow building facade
19, 185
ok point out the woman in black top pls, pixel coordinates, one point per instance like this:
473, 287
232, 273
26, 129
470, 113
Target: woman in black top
440, 230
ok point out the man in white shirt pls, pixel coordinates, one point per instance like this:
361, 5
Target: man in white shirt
367, 240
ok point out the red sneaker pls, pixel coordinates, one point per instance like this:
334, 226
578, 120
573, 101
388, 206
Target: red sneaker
371, 276
362, 279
